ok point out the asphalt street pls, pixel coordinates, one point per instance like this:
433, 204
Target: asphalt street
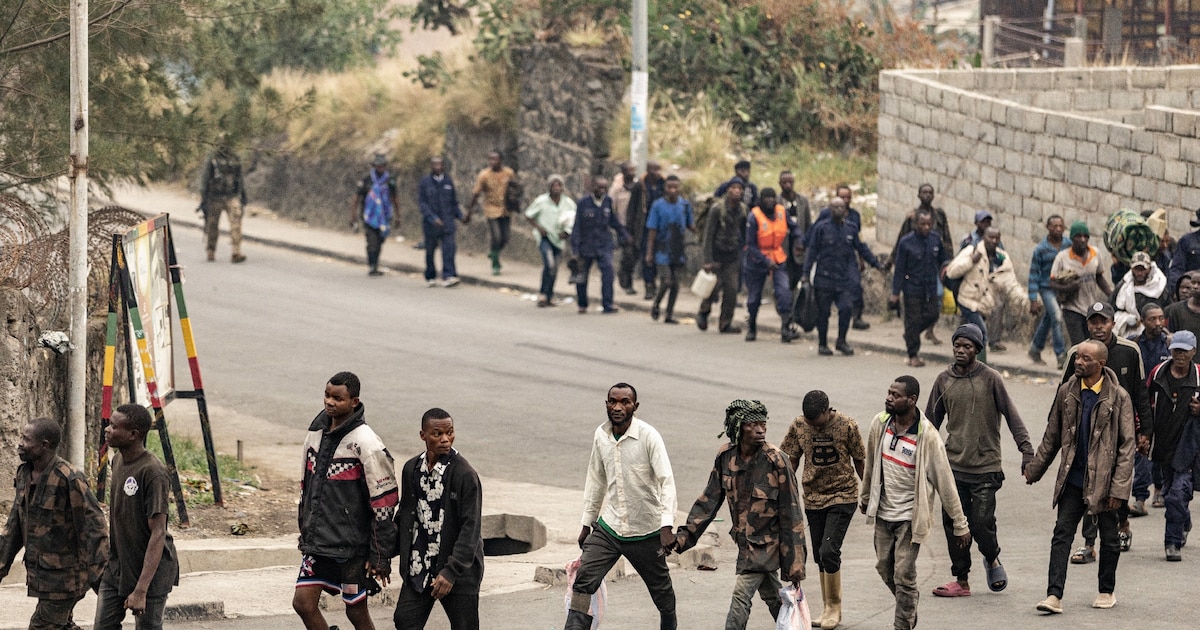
526, 385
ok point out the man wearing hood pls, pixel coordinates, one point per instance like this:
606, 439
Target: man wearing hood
1143, 283
986, 270
970, 397
1092, 423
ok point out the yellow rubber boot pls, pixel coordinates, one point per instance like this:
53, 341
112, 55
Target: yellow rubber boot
817, 623
833, 601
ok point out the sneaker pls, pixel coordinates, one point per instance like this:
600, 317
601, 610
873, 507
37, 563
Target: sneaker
1051, 604
915, 362
374, 272
1104, 600
1173, 554
237, 258
430, 283
1138, 508
844, 348
449, 282
824, 351
1036, 358
732, 329
860, 324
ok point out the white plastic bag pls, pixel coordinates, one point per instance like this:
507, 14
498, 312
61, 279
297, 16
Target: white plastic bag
704, 284
599, 598
793, 613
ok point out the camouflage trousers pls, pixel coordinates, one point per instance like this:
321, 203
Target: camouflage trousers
212, 224
897, 565
54, 614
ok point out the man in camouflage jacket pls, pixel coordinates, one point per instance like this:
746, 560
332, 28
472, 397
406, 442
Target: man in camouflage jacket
764, 505
57, 519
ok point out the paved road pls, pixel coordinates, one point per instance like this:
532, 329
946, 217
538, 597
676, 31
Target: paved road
526, 385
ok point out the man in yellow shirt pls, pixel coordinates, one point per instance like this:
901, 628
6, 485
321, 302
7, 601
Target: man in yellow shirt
491, 185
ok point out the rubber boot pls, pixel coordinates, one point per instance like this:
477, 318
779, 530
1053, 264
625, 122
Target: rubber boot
671, 295
495, 257
667, 621
578, 621
651, 290
817, 621
752, 327
833, 600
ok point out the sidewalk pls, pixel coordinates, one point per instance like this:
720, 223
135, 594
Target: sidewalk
884, 337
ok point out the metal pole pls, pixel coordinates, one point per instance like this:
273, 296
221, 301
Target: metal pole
78, 227
639, 89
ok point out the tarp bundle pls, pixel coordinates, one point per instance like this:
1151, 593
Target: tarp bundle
1126, 233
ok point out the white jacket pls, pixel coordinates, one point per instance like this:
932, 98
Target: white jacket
979, 283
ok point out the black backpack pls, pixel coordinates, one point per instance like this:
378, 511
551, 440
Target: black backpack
225, 176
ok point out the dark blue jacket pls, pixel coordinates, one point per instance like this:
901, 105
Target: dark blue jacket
438, 200
755, 259
1186, 257
591, 235
834, 248
1154, 351
919, 259
852, 216
1040, 264
749, 190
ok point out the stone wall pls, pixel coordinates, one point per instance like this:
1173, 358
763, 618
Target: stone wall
1026, 144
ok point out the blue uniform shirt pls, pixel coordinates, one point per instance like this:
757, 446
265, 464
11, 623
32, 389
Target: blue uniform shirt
438, 200
664, 214
919, 259
1185, 259
834, 248
592, 235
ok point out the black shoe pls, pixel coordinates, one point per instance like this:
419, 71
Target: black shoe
654, 313
751, 335
860, 324
844, 348
1173, 554
787, 335
702, 321
732, 329
825, 351
670, 320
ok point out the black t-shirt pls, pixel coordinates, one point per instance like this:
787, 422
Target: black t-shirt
1180, 317
140, 490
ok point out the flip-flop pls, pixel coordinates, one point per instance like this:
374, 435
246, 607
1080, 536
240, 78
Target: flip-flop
997, 575
951, 589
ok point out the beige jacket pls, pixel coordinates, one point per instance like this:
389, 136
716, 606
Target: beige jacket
933, 474
980, 284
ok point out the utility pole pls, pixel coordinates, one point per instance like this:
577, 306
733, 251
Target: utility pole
78, 229
639, 89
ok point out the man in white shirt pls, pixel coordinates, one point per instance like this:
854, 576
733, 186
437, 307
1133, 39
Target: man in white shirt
629, 476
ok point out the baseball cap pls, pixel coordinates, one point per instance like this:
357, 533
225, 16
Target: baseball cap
1140, 259
983, 214
1183, 340
1101, 308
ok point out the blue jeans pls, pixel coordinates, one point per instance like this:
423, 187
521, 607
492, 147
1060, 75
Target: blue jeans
974, 317
1049, 324
1177, 493
435, 236
604, 261
1143, 474
551, 258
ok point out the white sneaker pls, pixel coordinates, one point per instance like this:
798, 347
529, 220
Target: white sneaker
431, 283
1105, 600
1051, 604
449, 282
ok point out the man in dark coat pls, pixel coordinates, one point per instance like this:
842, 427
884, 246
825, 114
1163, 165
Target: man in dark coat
438, 201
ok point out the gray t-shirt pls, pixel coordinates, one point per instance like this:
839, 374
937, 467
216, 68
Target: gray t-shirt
1067, 264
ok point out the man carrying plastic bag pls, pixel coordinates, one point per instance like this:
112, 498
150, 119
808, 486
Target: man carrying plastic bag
764, 505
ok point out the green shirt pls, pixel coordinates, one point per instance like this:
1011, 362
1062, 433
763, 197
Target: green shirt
556, 219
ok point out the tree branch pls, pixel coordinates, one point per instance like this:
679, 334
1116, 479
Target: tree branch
53, 38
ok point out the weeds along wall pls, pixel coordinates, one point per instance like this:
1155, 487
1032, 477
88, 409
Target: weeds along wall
1027, 144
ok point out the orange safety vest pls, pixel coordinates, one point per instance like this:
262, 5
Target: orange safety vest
772, 234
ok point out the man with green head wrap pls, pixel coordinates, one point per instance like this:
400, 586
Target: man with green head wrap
764, 505
1078, 277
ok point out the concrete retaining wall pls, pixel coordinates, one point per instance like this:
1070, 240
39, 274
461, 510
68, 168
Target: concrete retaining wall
1026, 144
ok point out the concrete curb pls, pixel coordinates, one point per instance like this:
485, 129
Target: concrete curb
196, 611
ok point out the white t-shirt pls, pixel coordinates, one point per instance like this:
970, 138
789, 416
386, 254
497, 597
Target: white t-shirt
898, 454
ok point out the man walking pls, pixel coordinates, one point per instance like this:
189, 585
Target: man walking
797, 207
492, 185
629, 202
628, 509
1175, 394
222, 189
1143, 284
142, 564
438, 528
834, 247
1185, 313
1154, 344
1078, 275
552, 215
347, 498
919, 258
768, 531
58, 521
592, 241
969, 398
986, 270
1091, 423
439, 210
906, 464
768, 230
669, 218
721, 253
833, 453
941, 225
1040, 290
375, 204
741, 173
1187, 254
653, 187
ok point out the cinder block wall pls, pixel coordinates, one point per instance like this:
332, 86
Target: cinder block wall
1026, 144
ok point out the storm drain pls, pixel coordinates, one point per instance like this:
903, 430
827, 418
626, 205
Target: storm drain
512, 534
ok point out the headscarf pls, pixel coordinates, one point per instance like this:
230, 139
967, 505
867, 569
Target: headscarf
738, 413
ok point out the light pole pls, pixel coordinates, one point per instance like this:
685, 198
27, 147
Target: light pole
78, 229
639, 90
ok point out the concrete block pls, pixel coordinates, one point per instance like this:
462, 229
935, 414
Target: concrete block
987, 176
1122, 184
964, 146
1012, 161
903, 86
1016, 118
948, 143
1002, 202
933, 96
979, 195
1195, 98
1190, 198
1056, 125
1022, 141
1158, 119
1072, 79
1043, 189
1109, 203
998, 80
1065, 195
1064, 148
1031, 80
1100, 178
1004, 136
1076, 128
987, 133
1153, 167
1078, 174
1032, 165
889, 105
1183, 77
1142, 141
194, 611
914, 134
1023, 185
1168, 194
995, 156
949, 122
1127, 99
1108, 156
967, 103
1147, 77
1043, 144
1098, 132
916, 91
1168, 147
886, 127
1120, 137
887, 81
1090, 101
1054, 100
1035, 122
949, 101
1184, 124
1085, 152
906, 110
1000, 113
1027, 208
961, 79
1055, 169
1189, 150
1110, 79
933, 139
1175, 172
921, 114
1145, 189
1170, 98
1005, 181
1131, 162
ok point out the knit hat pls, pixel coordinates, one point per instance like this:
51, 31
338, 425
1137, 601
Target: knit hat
1080, 227
740, 412
971, 332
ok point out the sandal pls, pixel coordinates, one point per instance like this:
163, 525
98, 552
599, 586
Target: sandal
952, 589
997, 578
1083, 555
1126, 539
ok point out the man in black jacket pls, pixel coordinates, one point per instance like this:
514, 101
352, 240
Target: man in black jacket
439, 563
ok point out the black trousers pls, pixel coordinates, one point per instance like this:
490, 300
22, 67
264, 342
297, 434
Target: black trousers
827, 529
1076, 325
498, 232
374, 245
413, 609
977, 493
1071, 509
919, 314
600, 553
